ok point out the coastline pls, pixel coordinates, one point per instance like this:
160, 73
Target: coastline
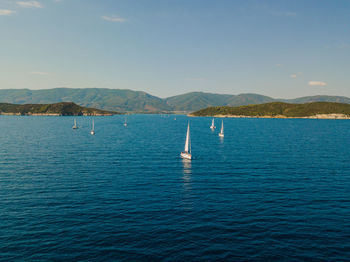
318, 116
50, 114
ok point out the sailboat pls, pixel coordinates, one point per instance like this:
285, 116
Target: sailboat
125, 124
221, 134
75, 124
186, 154
212, 127
92, 132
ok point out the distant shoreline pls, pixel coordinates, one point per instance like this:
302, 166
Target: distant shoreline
319, 116
50, 114
57, 109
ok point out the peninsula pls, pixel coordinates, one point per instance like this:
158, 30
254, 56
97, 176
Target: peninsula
57, 109
320, 110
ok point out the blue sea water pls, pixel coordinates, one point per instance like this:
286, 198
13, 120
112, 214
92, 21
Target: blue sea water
270, 190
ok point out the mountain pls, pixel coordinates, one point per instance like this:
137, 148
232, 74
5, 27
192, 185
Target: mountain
279, 109
108, 99
307, 99
124, 100
198, 100
62, 109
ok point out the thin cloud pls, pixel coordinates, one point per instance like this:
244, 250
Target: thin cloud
39, 73
279, 65
114, 19
293, 76
4, 12
29, 4
317, 83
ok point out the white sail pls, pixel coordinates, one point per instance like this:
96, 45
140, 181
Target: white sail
221, 134
188, 141
212, 124
187, 152
92, 132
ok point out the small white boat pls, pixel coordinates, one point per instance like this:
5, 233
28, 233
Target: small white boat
75, 124
125, 124
92, 132
212, 127
221, 134
186, 154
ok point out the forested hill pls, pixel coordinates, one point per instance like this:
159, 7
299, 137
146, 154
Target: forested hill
120, 100
62, 109
278, 109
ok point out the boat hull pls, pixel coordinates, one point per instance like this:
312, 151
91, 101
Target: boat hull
186, 155
221, 135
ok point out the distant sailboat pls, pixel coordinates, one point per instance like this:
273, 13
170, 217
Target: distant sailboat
92, 132
75, 124
212, 127
221, 134
125, 124
186, 154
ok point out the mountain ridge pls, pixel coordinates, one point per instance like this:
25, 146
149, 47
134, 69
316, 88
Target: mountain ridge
126, 100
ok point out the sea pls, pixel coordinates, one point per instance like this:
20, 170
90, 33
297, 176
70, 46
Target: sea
270, 190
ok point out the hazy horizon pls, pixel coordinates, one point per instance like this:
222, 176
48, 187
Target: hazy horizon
281, 49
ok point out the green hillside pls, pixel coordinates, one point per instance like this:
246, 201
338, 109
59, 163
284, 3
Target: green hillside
198, 100
123, 100
278, 109
63, 109
308, 99
108, 99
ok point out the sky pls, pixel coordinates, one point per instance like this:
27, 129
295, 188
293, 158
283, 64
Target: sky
283, 49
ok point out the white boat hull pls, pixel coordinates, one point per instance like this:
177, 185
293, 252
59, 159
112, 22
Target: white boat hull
92, 132
212, 127
186, 155
221, 135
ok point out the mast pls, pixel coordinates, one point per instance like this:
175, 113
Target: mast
93, 125
222, 127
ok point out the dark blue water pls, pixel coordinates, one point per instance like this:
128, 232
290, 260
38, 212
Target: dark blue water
272, 189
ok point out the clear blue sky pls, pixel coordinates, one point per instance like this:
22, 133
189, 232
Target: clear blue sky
167, 47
